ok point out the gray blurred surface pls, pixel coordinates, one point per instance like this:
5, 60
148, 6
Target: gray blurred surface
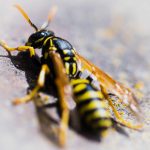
115, 35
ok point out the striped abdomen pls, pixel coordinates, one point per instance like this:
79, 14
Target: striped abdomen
91, 105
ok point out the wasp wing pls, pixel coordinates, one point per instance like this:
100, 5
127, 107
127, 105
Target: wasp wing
112, 86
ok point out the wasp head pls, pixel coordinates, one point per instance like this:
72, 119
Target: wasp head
37, 39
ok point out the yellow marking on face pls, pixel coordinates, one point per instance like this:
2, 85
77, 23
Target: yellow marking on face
103, 123
55, 38
74, 68
78, 81
92, 105
46, 40
39, 40
51, 43
90, 94
79, 88
52, 48
66, 58
67, 67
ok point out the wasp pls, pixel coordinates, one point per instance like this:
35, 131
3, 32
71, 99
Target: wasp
75, 78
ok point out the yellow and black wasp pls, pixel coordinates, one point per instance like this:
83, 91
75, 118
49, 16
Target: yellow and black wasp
76, 77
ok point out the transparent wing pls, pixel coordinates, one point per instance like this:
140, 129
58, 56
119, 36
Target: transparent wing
112, 86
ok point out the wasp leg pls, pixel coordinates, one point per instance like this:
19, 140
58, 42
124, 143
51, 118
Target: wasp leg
64, 93
64, 115
41, 80
119, 118
19, 48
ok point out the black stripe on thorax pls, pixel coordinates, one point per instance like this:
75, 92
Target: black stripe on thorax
61, 43
66, 53
71, 68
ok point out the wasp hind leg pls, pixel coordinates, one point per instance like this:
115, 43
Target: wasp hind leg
41, 80
118, 116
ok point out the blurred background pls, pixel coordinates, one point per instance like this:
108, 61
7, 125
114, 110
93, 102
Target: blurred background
115, 35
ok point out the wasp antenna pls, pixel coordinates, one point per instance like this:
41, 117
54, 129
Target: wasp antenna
25, 16
50, 17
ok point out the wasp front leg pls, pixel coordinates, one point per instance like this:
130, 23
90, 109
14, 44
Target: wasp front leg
41, 80
19, 48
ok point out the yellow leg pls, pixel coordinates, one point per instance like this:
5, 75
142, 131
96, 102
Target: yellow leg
64, 115
117, 114
64, 93
19, 48
41, 80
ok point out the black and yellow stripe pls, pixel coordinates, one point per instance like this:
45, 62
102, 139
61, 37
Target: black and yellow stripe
91, 105
66, 52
